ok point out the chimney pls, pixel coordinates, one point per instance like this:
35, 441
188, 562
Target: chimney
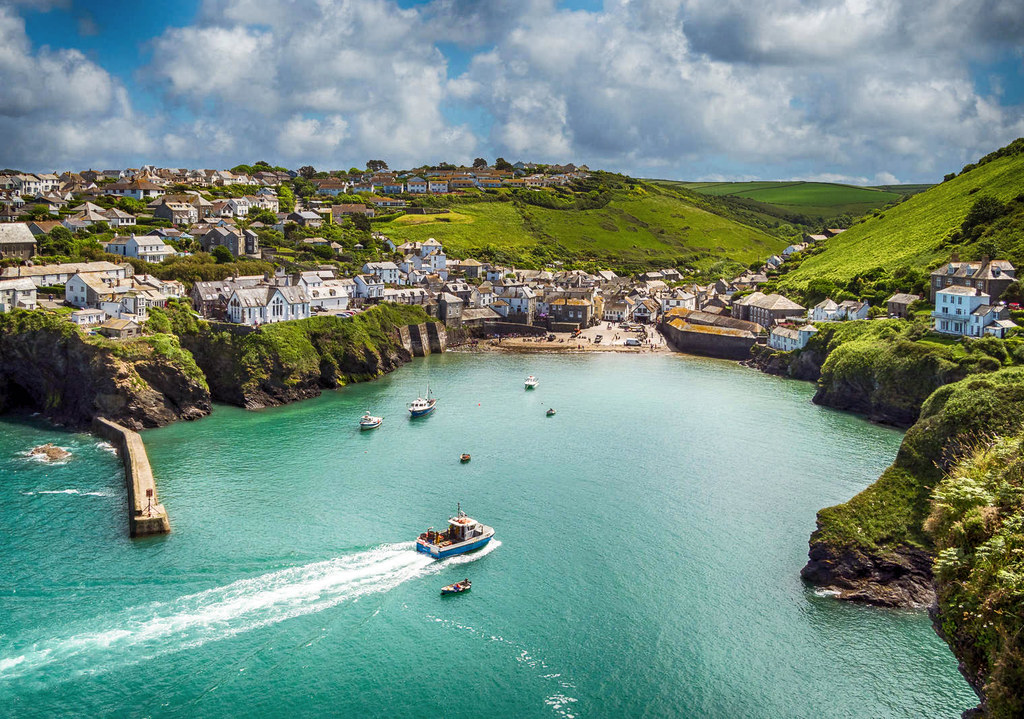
955, 257
984, 261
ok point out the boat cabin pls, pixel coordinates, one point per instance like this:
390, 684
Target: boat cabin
462, 528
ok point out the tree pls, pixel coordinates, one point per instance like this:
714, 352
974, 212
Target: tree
59, 241
354, 171
38, 212
285, 199
361, 222
376, 165
263, 215
479, 163
130, 204
307, 171
222, 255
983, 211
502, 164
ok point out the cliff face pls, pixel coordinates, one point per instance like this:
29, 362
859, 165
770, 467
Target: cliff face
47, 365
883, 369
285, 362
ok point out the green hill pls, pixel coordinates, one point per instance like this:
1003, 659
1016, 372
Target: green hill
803, 202
635, 226
923, 230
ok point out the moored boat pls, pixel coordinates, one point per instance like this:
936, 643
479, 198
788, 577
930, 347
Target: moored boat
464, 458
368, 421
458, 588
531, 382
422, 407
464, 534
551, 413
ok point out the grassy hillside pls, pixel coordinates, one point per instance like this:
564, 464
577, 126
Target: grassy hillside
814, 201
921, 231
638, 228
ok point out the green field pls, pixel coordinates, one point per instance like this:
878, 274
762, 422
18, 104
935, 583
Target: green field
813, 200
912, 233
637, 230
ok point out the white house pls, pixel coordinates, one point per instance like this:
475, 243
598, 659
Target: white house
17, 294
854, 310
369, 287
678, 298
438, 187
386, 272
416, 185
825, 311
787, 339
146, 247
266, 305
954, 306
328, 295
88, 318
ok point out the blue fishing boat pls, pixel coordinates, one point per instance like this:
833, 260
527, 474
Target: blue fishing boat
422, 407
464, 534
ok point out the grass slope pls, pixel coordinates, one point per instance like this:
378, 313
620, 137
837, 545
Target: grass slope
639, 229
820, 200
911, 233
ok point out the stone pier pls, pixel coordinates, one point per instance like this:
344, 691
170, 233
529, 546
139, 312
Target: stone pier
145, 513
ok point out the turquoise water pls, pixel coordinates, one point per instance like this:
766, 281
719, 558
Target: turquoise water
649, 539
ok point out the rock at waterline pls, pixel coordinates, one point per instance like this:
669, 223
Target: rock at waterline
50, 452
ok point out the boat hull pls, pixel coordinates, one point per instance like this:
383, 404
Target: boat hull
414, 413
364, 427
442, 552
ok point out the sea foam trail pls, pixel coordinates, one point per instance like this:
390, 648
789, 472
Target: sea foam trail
224, 612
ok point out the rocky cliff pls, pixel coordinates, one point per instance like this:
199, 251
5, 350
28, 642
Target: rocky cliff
281, 363
883, 369
48, 365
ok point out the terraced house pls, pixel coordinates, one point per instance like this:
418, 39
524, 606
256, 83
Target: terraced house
991, 277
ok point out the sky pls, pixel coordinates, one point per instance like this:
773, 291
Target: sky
857, 91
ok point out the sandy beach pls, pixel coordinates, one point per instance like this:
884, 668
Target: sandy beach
613, 340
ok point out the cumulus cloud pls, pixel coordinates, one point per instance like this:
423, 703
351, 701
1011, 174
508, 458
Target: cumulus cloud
57, 107
331, 82
847, 85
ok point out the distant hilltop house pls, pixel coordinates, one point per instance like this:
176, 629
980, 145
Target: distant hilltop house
991, 277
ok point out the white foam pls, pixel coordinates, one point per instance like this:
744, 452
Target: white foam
226, 611
68, 491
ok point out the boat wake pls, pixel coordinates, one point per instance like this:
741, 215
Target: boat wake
215, 614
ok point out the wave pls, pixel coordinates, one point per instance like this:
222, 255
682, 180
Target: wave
222, 612
67, 491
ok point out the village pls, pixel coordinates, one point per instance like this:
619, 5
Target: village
721, 318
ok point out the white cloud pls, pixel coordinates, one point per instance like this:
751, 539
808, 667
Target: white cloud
333, 82
58, 109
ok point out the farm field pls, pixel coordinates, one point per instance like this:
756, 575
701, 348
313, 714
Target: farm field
815, 200
633, 232
911, 233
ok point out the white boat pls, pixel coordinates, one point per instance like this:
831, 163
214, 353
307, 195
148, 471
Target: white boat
464, 534
531, 382
422, 407
368, 421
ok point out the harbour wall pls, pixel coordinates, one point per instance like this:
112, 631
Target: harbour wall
145, 513
724, 343
424, 339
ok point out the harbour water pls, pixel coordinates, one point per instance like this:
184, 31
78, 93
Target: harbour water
649, 540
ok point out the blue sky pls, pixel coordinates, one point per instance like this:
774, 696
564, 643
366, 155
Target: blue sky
863, 91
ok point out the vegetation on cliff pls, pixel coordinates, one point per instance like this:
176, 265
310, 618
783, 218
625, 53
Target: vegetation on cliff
886, 369
977, 524
49, 365
282, 362
978, 212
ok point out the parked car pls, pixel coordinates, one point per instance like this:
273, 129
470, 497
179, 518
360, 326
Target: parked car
632, 342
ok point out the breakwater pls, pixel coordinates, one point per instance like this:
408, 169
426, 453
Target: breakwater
145, 513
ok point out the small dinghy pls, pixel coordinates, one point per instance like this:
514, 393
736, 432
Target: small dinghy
551, 413
464, 458
368, 421
457, 588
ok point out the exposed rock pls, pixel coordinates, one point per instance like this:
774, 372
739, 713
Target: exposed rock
50, 452
898, 578
47, 365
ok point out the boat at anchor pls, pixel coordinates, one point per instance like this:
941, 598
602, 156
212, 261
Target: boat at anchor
368, 421
421, 407
464, 534
531, 382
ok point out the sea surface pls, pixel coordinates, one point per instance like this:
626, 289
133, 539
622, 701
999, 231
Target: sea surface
646, 562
